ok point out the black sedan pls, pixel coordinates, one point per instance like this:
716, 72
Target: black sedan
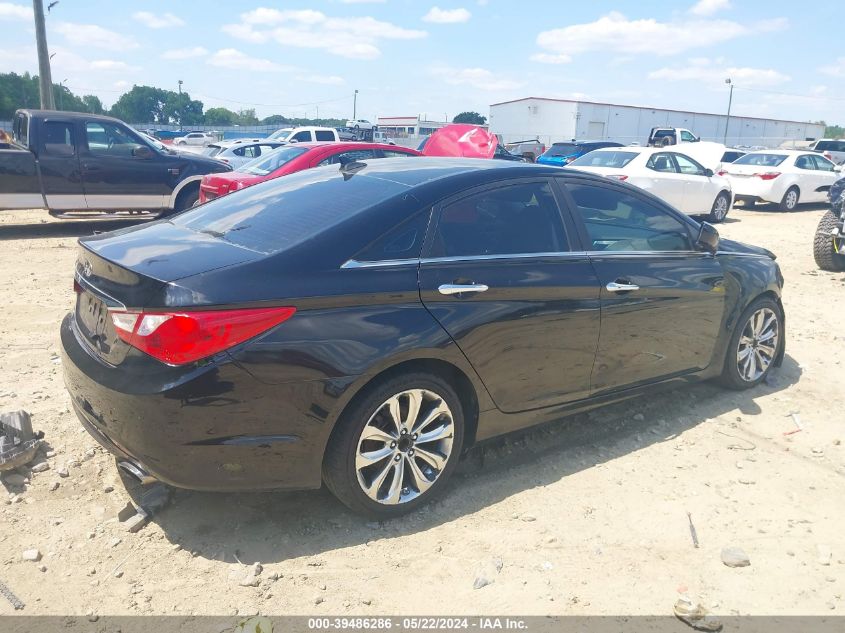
364, 326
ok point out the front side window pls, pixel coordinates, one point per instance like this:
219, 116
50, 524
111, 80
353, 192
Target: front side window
301, 137
687, 165
663, 163
510, 220
109, 139
58, 138
823, 164
687, 137
618, 221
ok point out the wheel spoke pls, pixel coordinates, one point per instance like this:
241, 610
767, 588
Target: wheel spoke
434, 460
420, 479
375, 434
767, 349
395, 489
362, 460
415, 399
437, 433
745, 340
762, 362
752, 366
743, 354
441, 409
395, 413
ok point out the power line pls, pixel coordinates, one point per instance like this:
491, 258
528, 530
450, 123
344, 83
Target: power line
790, 94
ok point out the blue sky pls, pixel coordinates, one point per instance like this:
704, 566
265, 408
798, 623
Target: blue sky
436, 58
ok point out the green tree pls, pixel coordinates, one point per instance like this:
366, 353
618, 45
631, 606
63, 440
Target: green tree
180, 109
274, 119
246, 117
473, 118
219, 116
93, 104
142, 104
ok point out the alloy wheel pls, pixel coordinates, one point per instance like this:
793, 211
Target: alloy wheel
758, 344
720, 208
791, 199
405, 446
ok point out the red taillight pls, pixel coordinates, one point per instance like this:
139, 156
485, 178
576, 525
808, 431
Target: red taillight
769, 175
177, 338
721, 172
828, 155
619, 176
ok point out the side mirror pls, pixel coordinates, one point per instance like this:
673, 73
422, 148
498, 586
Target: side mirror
708, 238
838, 169
142, 151
708, 173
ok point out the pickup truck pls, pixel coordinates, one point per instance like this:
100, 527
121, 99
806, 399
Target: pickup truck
663, 136
73, 161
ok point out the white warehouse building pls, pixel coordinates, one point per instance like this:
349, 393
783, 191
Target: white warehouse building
551, 120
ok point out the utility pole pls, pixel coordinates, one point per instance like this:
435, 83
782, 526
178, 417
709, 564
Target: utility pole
730, 100
61, 94
181, 113
355, 106
45, 78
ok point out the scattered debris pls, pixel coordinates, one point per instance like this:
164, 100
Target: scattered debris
12, 598
63, 472
251, 578
487, 573
528, 518
735, 557
824, 555
40, 467
738, 447
692, 530
33, 555
18, 444
798, 427
695, 615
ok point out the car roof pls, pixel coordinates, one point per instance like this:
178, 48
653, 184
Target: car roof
68, 115
348, 145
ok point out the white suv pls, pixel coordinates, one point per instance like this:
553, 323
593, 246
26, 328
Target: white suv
201, 139
307, 134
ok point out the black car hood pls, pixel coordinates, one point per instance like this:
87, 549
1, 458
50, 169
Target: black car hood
732, 246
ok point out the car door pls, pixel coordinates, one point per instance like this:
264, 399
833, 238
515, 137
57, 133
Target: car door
827, 175
663, 179
115, 175
699, 190
662, 301
812, 179
58, 162
504, 275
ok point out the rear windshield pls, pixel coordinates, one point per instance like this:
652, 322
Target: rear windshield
830, 146
212, 150
272, 161
604, 159
562, 149
762, 160
284, 212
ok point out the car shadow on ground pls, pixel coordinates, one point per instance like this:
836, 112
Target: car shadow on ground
773, 208
275, 526
68, 228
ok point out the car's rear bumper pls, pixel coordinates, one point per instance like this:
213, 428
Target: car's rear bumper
204, 428
755, 189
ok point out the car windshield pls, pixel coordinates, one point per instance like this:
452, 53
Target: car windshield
562, 149
281, 135
604, 159
272, 161
762, 160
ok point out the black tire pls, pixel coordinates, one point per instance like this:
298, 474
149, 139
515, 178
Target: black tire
339, 462
718, 212
731, 376
824, 249
187, 198
181, 143
788, 203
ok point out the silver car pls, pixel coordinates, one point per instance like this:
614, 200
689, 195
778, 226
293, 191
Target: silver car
241, 151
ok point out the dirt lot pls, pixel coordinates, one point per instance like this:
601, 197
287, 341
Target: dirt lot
588, 516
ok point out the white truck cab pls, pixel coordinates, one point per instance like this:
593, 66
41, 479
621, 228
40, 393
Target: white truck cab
663, 136
304, 134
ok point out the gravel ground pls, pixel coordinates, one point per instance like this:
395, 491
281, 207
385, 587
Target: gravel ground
584, 516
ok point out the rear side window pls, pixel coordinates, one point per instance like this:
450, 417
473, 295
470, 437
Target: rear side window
324, 135
21, 129
618, 221
510, 220
284, 212
662, 163
604, 159
389, 153
348, 156
402, 242
57, 138
805, 162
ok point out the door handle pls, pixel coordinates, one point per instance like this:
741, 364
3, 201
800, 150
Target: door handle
456, 289
614, 286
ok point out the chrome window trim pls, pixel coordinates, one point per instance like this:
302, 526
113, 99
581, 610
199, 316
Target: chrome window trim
353, 263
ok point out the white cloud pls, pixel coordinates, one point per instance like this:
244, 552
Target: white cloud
714, 72
478, 78
836, 69
234, 59
156, 21
327, 80
110, 64
92, 35
549, 58
615, 33
353, 37
185, 53
709, 7
447, 16
9, 11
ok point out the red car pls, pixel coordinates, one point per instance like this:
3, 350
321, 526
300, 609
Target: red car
292, 158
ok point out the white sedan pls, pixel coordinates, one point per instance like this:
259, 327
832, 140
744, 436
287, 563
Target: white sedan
783, 177
670, 175
197, 139
360, 124
241, 151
